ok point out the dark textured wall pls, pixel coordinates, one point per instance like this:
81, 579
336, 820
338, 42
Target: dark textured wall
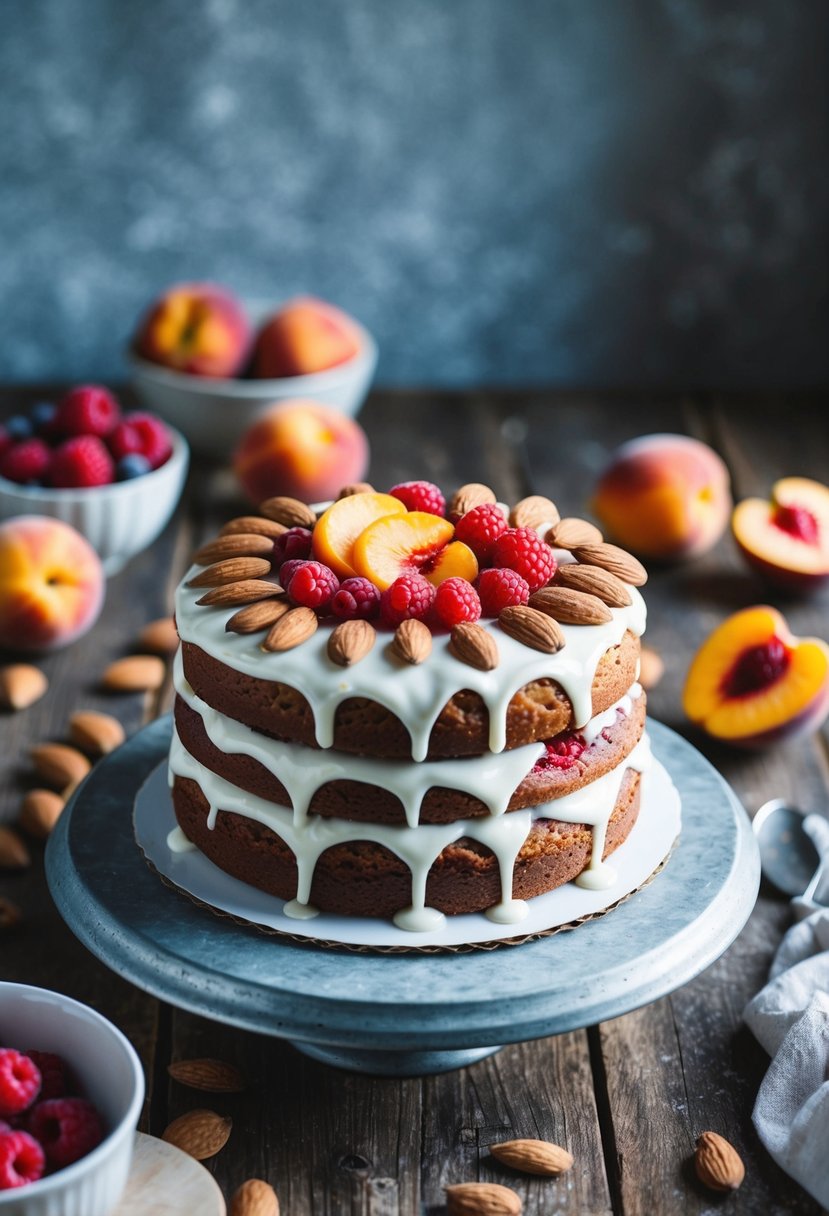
573, 191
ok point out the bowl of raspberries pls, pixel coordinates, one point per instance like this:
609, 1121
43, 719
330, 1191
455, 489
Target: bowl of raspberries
71, 1092
114, 475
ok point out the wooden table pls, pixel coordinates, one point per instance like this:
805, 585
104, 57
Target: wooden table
628, 1097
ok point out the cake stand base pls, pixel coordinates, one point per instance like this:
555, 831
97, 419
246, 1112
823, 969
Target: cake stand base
395, 1063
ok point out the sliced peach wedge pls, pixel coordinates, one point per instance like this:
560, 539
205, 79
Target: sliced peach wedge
752, 682
787, 539
416, 541
338, 528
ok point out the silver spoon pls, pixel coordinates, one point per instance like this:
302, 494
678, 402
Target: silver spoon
788, 855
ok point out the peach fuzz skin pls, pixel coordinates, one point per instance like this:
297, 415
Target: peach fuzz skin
197, 328
664, 496
794, 700
51, 584
768, 537
301, 449
305, 336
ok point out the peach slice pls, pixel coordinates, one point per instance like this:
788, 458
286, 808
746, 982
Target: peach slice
338, 528
456, 560
787, 539
398, 544
752, 681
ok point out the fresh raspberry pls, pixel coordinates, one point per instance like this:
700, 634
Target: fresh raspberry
19, 1082
82, 461
420, 496
312, 585
523, 550
67, 1128
409, 597
144, 434
21, 1160
480, 528
756, 668
288, 569
293, 545
456, 600
86, 410
561, 752
25, 462
501, 589
54, 1074
356, 599
799, 522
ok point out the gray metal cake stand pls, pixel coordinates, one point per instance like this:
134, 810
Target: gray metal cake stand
404, 1014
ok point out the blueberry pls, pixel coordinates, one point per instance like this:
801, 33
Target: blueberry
42, 414
131, 466
18, 427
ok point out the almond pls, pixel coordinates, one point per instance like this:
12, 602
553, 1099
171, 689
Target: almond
233, 570
531, 628
467, 497
288, 511
235, 544
13, 852
212, 1076
292, 629
201, 1133
253, 523
249, 591
254, 1198
96, 733
538, 1157
570, 607
412, 642
357, 487
57, 764
350, 641
618, 561
135, 673
257, 616
534, 511
651, 668
717, 1163
21, 685
482, 1199
595, 581
159, 637
570, 533
474, 645
10, 914
40, 811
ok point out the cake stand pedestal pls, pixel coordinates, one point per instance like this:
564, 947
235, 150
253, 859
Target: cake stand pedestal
401, 1014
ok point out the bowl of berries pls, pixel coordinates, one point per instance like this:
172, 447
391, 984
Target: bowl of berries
71, 1091
115, 476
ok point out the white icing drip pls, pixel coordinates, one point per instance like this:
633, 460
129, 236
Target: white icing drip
593, 730
177, 842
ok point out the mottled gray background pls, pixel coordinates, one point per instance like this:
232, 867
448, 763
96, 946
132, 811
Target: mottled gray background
585, 192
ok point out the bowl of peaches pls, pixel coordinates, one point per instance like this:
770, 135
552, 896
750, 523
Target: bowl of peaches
212, 367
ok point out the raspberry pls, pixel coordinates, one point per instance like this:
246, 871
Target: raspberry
799, 522
25, 462
561, 752
501, 589
523, 550
86, 410
288, 569
19, 1082
420, 496
67, 1128
54, 1074
312, 585
756, 668
456, 600
357, 598
409, 597
480, 528
82, 461
21, 1160
144, 434
293, 545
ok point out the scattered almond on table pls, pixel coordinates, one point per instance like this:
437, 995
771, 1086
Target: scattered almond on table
482, 1199
254, 1198
538, 1157
95, 732
21, 685
13, 852
200, 1133
159, 637
59, 765
651, 668
717, 1163
135, 673
39, 812
212, 1076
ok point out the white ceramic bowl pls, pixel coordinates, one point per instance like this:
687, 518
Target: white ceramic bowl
118, 520
111, 1076
215, 413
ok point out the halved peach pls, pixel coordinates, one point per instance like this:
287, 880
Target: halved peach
787, 539
337, 528
752, 682
398, 544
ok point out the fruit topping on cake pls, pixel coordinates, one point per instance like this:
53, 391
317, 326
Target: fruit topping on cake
337, 528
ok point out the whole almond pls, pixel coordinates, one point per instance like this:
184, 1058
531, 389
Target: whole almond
412, 642
356, 487
254, 1198
618, 561
534, 511
482, 1199
651, 668
248, 591
201, 1133
253, 523
235, 544
212, 1076
57, 764
350, 641
472, 495
291, 630
288, 511
570, 533
475, 646
595, 581
232, 570
10, 914
538, 1157
717, 1163
531, 628
96, 733
135, 673
21, 685
40, 811
570, 607
13, 852
256, 617
159, 637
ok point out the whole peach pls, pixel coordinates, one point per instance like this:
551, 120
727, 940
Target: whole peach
301, 449
51, 584
664, 496
199, 328
305, 336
